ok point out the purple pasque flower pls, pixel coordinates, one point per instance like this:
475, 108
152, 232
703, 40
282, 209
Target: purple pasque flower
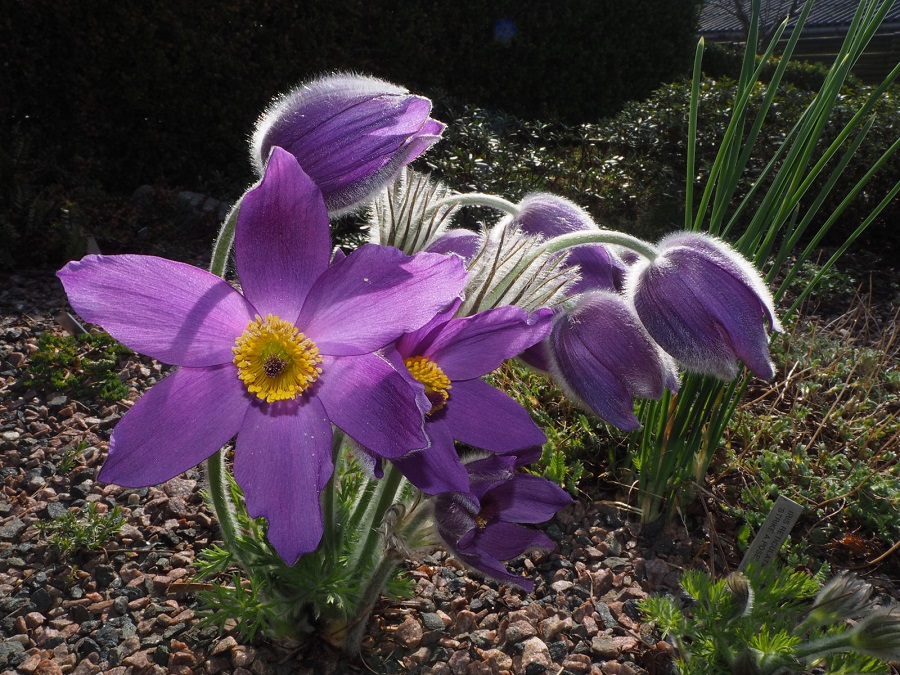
483, 525
351, 134
275, 366
448, 356
602, 356
706, 305
550, 216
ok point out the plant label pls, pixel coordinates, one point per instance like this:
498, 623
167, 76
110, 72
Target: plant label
772, 534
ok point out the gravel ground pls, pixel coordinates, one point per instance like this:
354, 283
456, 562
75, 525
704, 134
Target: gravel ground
128, 608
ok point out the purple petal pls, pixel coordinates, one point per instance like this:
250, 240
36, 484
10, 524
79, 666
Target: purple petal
504, 540
282, 243
176, 425
490, 471
495, 570
376, 294
481, 416
705, 308
454, 515
282, 462
464, 243
351, 134
603, 357
436, 468
526, 499
372, 403
167, 310
538, 356
473, 346
416, 342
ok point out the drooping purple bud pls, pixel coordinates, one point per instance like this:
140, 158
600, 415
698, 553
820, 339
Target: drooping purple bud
550, 216
351, 134
706, 305
603, 357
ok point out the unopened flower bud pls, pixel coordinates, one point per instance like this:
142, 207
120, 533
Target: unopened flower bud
706, 305
745, 663
739, 587
351, 134
843, 597
878, 635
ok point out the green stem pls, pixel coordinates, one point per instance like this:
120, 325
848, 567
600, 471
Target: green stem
329, 536
564, 241
221, 502
219, 494
477, 199
386, 494
830, 644
224, 240
369, 595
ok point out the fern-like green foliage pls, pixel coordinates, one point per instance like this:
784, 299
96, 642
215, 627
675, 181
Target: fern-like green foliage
753, 623
270, 597
87, 530
83, 365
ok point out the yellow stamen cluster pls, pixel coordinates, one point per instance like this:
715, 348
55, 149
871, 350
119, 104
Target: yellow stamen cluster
437, 385
275, 360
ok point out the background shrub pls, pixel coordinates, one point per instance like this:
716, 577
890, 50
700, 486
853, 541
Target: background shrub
168, 92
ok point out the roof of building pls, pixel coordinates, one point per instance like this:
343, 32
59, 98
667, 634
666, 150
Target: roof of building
718, 16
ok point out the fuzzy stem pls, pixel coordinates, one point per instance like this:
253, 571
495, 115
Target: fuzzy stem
221, 503
215, 466
584, 237
477, 199
329, 536
569, 240
369, 595
830, 644
386, 493
224, 240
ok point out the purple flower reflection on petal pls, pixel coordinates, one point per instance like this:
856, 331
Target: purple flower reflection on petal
706, 305
351, 134
249, 369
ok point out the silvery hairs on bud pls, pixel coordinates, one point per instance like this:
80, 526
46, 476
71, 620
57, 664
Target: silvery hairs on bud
403, 214
501, 273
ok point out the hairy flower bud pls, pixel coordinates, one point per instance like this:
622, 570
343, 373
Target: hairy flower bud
705, 305
843, 597
351, 134
742, 592
878, 635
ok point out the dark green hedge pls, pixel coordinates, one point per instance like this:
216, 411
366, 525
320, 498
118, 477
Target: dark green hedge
168, 92
629, 169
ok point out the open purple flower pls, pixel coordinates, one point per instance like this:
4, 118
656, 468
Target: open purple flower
482, 526
351, 134
602, 356
448, 356
706, 305
275, 366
